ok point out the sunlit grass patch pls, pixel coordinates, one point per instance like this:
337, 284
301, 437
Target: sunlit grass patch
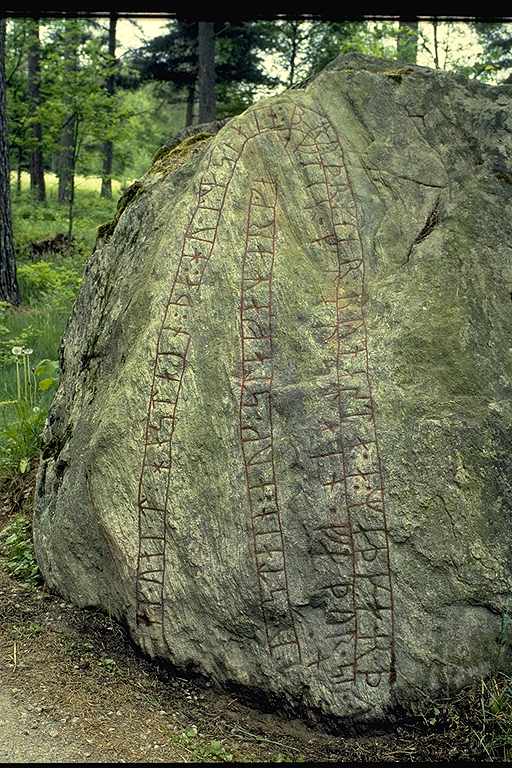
87, 183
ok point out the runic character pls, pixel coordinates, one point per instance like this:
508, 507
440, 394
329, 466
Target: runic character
251, 301
250, 434
373, 623
259, 357
161, 465
373, 654
319, 660
270, 563
257, 370
330, 468
361, 485
183, 300
373, 679
344, 675
259, 475
266, 520
264, 453
329, 426
257, 329
237, 127
344, 620
373, 593
168, 376
333, 335
255, 398
330, 391
268, 543
333, 542
252, 282
259, 200
361, 457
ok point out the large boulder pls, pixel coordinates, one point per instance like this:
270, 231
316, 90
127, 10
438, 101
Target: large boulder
281, 449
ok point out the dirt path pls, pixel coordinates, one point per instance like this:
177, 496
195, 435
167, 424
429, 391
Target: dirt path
73, 689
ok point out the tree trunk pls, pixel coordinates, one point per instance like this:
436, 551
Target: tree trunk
72, 189
191, 93
37, 184
293, 52
207, 106
18, 171
407, 41
8, 284
436, 45
108, 146
65, 160
67, 136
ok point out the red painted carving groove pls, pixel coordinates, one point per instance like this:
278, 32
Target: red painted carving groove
256, 431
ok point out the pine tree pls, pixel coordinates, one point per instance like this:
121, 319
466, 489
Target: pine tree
407, 41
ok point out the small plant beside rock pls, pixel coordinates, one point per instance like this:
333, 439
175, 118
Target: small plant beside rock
17, 548
21, 435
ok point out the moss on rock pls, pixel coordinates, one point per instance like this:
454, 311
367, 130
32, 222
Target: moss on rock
104, 231
167, 160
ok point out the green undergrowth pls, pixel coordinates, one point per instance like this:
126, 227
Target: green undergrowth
34, 221
30, 334
200, 749
17, 550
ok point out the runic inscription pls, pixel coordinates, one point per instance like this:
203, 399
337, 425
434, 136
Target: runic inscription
256, 420
348, 540
172, 348
351, 546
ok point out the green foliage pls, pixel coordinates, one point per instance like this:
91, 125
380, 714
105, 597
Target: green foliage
302, 48
21, 435
18, 550
496, 727
10, 335
203, 751
151, 116
75, 69
21, 439
495, 62
42, 281
18, 104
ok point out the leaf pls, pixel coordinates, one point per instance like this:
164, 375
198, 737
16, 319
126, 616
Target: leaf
46, 366
216, 748
46, 384
23, 466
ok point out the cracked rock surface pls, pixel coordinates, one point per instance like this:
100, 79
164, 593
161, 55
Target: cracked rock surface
281, 445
